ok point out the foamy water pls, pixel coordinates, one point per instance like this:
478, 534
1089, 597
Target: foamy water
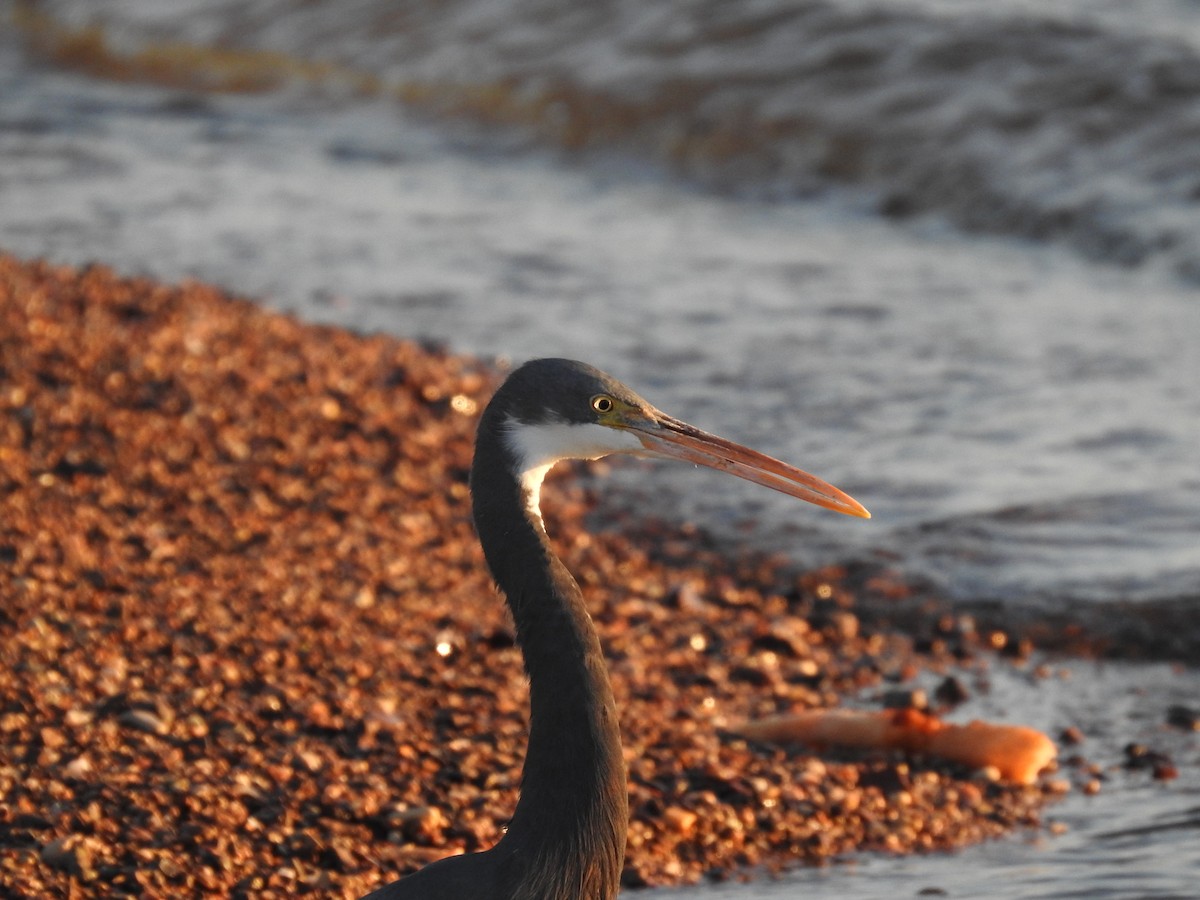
1067, 121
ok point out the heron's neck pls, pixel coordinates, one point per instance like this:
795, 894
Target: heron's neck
570, 823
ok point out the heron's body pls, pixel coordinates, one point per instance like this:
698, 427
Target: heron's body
566, 839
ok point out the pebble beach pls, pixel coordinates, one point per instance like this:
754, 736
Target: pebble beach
248, 646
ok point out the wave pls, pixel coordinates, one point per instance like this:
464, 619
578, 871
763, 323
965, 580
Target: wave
1074, 132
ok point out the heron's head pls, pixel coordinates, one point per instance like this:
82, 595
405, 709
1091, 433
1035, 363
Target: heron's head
554, 409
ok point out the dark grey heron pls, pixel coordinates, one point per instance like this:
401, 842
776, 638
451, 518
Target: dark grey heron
566, 839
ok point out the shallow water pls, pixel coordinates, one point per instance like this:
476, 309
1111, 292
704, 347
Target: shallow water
1136, 839
1022, 421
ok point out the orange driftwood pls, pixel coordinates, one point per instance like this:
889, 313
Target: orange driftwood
1016, 752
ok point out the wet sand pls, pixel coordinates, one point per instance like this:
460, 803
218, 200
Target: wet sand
248, 647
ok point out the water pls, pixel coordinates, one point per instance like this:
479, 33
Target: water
1021, 418
1022, 424
1134, 840
1069, 121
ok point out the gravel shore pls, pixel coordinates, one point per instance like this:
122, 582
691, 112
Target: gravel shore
248, 646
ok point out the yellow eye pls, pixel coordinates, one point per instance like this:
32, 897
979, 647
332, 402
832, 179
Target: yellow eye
602, 403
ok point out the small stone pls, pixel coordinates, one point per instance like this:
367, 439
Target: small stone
365, 598
311, 761
170, 867
78, 768
419, 822
680, 820
951, 691
71, 854
1185, 717
77, 718
62, 854
1165, 770
1071, 736
143, 720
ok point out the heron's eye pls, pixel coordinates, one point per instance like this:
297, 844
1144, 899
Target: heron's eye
602, 403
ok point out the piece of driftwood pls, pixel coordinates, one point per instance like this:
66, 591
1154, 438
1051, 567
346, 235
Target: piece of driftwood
1018, 753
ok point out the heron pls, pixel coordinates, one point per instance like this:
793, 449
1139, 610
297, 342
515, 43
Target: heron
566, 837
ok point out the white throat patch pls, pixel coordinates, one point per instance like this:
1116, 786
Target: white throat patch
538, 447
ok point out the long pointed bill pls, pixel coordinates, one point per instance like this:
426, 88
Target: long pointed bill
665, 436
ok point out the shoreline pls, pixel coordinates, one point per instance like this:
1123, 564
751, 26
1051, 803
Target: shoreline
249, 646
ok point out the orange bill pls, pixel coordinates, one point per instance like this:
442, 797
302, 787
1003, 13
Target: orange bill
662, 435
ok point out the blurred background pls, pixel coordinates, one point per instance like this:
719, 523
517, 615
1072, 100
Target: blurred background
943, 253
